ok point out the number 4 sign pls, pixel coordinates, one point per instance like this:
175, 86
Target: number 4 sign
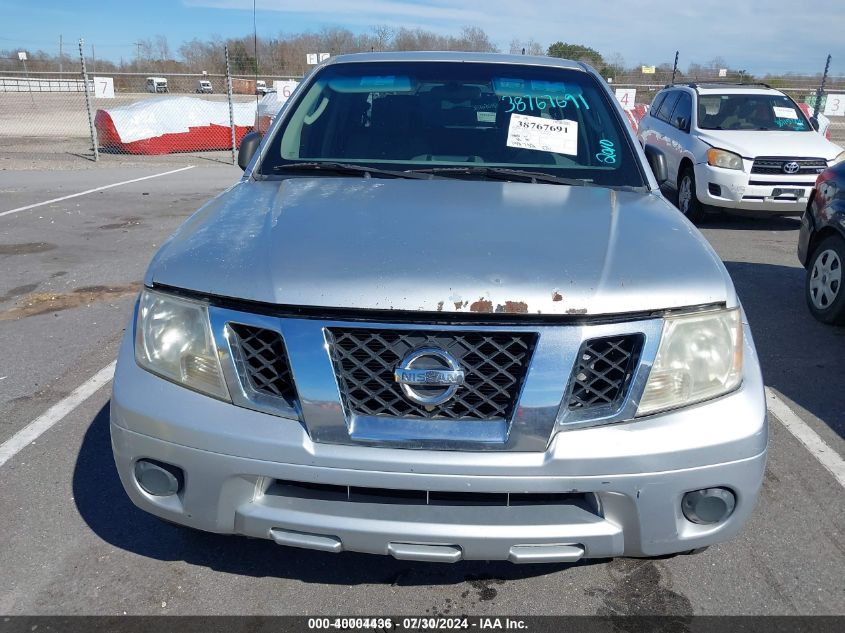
835, 105
627, 97
104, 87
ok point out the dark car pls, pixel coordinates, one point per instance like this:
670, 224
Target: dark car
821, 246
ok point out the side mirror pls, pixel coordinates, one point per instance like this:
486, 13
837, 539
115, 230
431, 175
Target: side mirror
249, 144
814, 123
682, 124
657, 162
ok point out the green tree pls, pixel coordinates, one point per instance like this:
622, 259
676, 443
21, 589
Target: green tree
577, 52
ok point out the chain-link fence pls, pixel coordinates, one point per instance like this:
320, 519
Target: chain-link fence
205, 114
134, 114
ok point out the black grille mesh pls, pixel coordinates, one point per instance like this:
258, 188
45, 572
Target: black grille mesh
494, 364
264, 361
603, 371
774, 165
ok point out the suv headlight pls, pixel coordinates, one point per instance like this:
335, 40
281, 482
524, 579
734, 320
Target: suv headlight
173, 340
723, 158
699, 357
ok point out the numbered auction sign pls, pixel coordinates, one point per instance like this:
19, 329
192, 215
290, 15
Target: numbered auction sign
627, 97
104, 87
284, 88
835, 105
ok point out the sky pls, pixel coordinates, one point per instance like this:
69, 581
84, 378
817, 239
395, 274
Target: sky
756, 35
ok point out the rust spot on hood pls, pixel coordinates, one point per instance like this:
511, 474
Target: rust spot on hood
556, 296
45, 302
482, 305
513, 307
440, 306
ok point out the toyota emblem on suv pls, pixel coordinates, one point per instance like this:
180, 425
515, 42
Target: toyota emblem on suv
429, 376
791, 167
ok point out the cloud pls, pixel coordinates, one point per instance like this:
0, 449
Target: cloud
758, 35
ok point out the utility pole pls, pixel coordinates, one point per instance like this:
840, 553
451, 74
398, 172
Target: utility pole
61, 55
93, 60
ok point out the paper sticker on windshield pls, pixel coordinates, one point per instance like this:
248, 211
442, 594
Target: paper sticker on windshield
547, 135
785, 113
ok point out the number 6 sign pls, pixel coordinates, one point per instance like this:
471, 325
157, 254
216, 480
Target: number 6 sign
104, 87
835, 105
284, 88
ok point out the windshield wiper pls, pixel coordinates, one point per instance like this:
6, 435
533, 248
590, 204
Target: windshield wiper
348, 168
502, 173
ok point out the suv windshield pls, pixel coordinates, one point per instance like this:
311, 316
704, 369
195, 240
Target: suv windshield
750, 112
439, 116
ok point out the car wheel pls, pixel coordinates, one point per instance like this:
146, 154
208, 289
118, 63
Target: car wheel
825, 296
687, 200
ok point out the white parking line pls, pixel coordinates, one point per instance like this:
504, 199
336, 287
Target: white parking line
54, 414
83, 193
829, 458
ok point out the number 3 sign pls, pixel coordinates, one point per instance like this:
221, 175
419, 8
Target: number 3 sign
104, 87
835, 105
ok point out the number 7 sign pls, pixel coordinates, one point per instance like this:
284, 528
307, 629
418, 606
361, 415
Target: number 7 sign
104, 87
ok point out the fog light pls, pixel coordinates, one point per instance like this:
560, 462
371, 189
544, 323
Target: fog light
714, 189
708, 506
157, 478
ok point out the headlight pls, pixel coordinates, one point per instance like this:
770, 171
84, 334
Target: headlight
699, 357
173, 339
839, 158
723, 158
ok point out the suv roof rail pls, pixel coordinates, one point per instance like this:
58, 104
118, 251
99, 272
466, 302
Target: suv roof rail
707, 84
711, 84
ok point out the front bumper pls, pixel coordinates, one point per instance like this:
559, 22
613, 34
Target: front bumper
627, 479
737, 191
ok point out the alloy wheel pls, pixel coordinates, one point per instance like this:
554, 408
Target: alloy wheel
825, 279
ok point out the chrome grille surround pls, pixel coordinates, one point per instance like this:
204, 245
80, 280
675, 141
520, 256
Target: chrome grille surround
540, 409
773, 165
495, 364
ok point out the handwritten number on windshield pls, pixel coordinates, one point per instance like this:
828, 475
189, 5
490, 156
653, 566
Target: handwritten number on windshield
607, 155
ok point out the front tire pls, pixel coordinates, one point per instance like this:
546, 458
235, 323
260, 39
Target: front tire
823, 288
688, 202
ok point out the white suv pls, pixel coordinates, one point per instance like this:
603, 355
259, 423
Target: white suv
745, 147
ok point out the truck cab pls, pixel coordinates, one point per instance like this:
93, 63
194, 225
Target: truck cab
156, 84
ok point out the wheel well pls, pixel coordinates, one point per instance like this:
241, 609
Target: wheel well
817, 239
685, 162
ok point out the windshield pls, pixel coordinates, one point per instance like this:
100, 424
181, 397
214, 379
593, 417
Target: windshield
750, 112
440, 116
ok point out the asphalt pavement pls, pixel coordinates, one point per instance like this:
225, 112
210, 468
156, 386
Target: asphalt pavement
74, 544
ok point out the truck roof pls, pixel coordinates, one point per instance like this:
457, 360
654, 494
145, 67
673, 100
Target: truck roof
455, 56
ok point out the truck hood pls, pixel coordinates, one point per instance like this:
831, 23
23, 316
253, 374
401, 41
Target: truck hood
753, 143
443, 245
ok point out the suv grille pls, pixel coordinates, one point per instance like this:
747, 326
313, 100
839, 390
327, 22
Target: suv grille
604, 371
495, 365
774, 165
263, 361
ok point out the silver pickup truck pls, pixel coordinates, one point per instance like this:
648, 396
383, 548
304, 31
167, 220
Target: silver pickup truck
446, 314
